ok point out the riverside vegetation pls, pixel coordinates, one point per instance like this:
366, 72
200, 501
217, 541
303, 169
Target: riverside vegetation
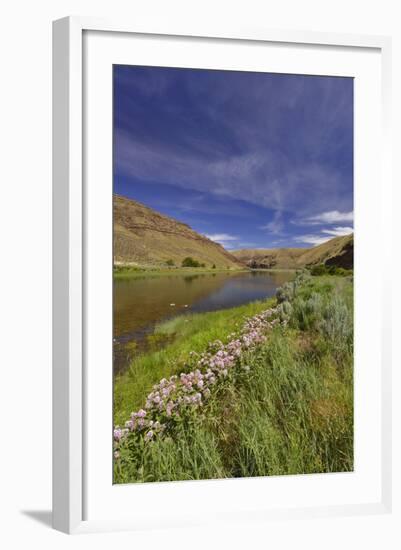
262, 389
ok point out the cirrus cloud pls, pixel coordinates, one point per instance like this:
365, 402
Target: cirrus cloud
311, 239
338, 231
325, 235
333, 216
223, 238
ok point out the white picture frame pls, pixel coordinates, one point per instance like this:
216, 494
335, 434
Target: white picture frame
70, 257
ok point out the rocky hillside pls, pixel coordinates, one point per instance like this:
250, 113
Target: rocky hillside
270, 258
144, 237
338, 251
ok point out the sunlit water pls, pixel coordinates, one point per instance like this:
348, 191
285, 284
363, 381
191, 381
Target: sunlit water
140, 303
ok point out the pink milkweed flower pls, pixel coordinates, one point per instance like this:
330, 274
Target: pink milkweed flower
217, 362
169, 408
197, 398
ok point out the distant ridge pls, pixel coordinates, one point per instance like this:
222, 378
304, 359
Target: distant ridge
338, 251
145, 237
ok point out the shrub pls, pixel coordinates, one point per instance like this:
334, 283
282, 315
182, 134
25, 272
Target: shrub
285, 293
214, 266
324, 269
317, 270
170, 262
336, 323
328, 315
284, 311
307, 312
190, 262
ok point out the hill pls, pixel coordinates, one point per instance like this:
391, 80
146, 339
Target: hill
270, 258
144, 237
338, 251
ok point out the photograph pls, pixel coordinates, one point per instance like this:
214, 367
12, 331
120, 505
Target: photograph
233, 265
205, 352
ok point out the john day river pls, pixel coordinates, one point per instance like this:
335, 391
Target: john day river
142, 302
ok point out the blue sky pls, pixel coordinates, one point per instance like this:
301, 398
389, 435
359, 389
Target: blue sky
252, 160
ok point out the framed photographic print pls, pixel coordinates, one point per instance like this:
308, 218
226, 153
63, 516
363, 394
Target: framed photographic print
219, 342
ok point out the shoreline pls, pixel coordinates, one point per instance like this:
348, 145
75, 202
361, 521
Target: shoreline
128, 273
136, 272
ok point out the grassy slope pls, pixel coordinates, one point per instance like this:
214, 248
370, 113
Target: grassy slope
143, 236
294, 258
292, 414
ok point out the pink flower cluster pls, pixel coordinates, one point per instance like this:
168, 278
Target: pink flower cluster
172, 398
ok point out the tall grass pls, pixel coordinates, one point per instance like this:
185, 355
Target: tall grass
291, 412
295, 412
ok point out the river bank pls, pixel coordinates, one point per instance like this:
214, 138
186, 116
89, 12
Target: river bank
122, 272
187, 333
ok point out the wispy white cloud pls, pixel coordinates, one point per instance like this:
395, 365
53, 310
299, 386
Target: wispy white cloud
338, 231
224, 239
311, 239
325, 235
217, 237
276, 225
333, 216
263, 177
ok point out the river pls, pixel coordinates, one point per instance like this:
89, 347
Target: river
141, 302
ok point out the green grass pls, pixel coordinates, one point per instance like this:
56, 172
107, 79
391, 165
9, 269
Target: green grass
129, 272
190, 332
291, 414
295, 412
323, 269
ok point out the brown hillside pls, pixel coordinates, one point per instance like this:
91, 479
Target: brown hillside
143, 236
270, 258
338, 251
